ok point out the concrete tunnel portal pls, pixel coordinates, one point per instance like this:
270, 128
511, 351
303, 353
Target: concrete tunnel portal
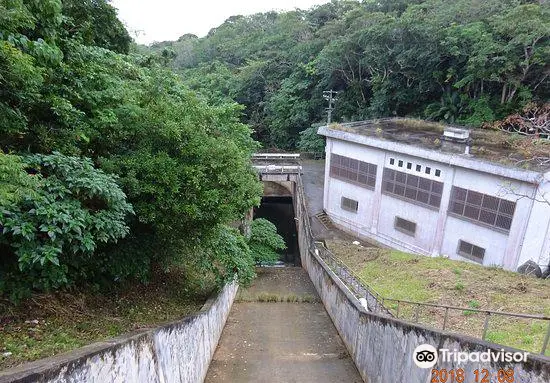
277, 206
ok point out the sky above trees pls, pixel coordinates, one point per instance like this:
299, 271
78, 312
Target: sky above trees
162, 20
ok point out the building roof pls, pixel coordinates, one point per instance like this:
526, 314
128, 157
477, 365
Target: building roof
488, 150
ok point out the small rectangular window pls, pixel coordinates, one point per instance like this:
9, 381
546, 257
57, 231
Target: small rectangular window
404, 226
400, 163
409, 165
428, 170
437, 173
418, 168
392, 161
470, 251
349, 205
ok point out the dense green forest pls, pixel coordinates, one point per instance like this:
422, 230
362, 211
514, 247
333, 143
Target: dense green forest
460, 61
110, 165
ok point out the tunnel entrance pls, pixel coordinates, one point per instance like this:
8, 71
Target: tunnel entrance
280, 211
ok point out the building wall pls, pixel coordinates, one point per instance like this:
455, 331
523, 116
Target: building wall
536, 245
425, 219
362, 221
493, 242
501, 248
437, 233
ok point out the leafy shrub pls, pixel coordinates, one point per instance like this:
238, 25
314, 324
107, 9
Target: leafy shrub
449, 109
15, 183
228, 256
480, 112
50, 234
264, 241
310, 141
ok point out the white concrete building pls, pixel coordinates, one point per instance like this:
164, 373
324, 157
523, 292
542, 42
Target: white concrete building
433, 190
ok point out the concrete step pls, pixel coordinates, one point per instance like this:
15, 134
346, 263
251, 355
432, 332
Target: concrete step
325, 220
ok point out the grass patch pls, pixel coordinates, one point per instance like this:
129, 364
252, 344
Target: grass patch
376, 274
472, 304
269, 297
49, 324
439, 280
459, 286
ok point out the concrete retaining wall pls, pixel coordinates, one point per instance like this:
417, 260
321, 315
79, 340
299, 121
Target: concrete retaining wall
177, 352
382, 347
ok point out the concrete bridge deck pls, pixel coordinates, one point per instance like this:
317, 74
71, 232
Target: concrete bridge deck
281, 341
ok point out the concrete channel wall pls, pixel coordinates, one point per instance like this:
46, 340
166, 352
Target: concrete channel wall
177, 352
382, 347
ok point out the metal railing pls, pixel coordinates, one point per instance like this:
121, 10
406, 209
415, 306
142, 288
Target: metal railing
488, 315
275, 156
377, 303
354, 282
271, 169
303, 211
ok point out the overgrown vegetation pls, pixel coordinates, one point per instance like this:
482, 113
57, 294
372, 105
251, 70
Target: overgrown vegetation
462, 61
274, 298
48, 324
310, 141
264, 242
112, 166
533, 121
117, 160
50, 232
403, 276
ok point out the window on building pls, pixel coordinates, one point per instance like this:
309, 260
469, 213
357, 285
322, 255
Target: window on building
428, 170
482, 208
392, 161
414, 188
470, 251
418, 168
409, 165
349, 204
354, 171
404, 226
437, 173
400, 163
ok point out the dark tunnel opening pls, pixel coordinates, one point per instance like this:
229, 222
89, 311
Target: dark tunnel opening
280, 211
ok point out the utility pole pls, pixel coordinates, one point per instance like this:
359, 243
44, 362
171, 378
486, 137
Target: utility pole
330, 96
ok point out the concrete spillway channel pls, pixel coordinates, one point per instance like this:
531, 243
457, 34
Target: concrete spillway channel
278, 329
292, 341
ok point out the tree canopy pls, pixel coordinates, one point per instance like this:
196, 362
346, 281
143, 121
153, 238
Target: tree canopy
112, 164
461, 61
